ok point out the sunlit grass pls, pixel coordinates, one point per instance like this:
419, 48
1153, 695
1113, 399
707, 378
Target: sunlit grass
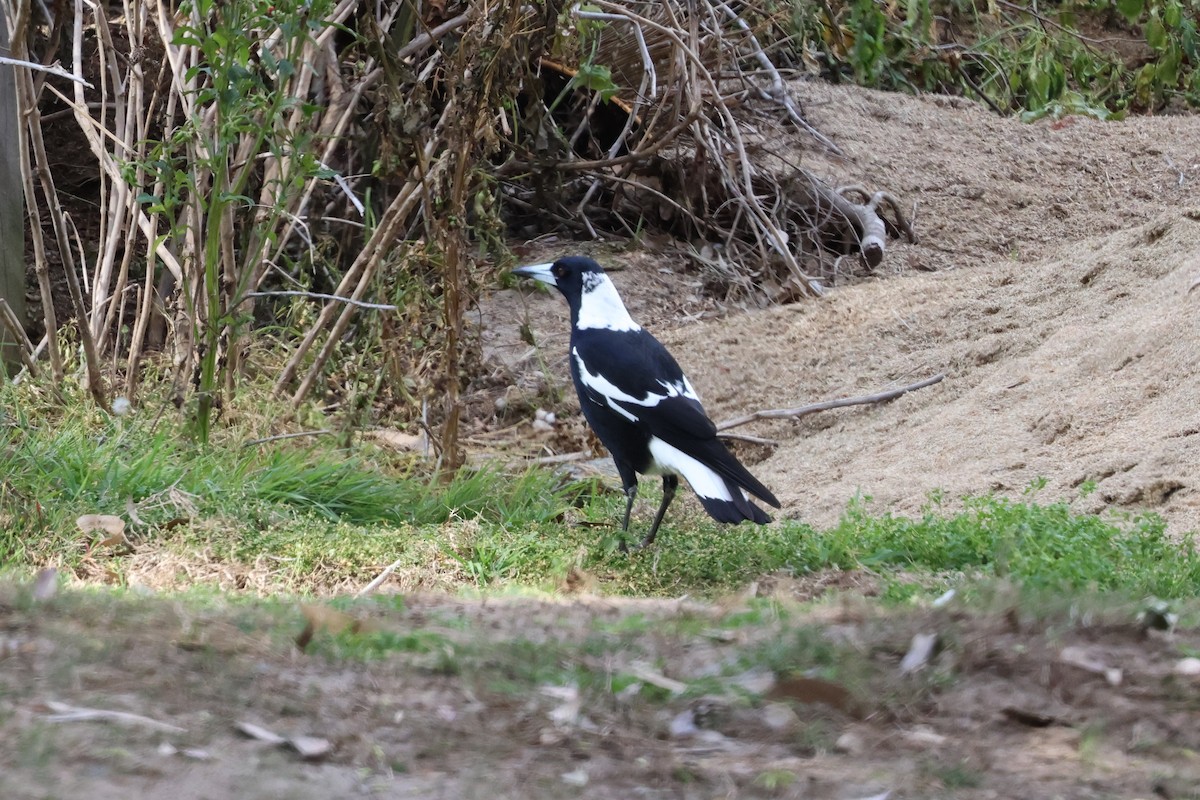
333, 514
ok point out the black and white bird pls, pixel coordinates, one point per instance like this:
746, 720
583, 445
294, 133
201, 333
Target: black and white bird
641, 405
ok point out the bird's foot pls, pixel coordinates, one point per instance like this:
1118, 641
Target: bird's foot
625, 547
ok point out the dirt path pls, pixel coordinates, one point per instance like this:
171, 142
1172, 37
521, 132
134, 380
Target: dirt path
439, 698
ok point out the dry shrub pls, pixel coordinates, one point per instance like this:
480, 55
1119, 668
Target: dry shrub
250, 154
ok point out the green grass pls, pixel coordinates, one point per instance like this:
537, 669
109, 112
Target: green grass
316, 517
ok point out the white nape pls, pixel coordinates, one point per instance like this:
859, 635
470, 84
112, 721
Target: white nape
600, 306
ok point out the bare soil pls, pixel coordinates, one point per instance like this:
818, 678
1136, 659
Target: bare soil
1050, 286
1039, 705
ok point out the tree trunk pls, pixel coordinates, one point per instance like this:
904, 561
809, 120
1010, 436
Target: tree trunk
12, 211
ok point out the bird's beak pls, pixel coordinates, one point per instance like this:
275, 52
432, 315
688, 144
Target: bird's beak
539, 272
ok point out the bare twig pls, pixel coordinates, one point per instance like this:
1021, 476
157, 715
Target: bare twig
380, 578
778, 91
322, 296
423, 41
359, 275
826, 405
52, 69
26, 128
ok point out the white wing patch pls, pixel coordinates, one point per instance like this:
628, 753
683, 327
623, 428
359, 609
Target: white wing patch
680, 388
600, 306
611, 394
703, 480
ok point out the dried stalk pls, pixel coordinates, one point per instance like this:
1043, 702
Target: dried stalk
24, 347
359, 276
50, 69
29, 122
677, 63
777, 92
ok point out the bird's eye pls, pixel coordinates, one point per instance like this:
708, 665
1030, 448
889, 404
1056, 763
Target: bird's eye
559, 270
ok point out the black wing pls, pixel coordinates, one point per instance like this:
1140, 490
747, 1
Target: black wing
633, 374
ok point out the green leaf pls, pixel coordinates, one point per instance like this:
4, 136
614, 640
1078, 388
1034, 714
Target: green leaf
239, 73
1167, 69
1039, 87
1057, 79
1143, 84
1131, 9
185, 37
236, 199
1156, 34
1187, 40
1172, 15
597, 78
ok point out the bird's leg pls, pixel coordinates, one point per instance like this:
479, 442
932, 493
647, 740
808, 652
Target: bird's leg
670, 484
630, 494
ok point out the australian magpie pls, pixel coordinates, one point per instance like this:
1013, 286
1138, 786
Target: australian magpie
642, 407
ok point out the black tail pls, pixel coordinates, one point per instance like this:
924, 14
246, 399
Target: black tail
727, 466
736, 510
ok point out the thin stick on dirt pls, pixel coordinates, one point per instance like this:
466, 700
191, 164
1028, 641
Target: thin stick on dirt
826, 405
61, 712
282, 436
379, 579
745, 437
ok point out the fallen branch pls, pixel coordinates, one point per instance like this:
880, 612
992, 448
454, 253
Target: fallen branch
874, 203
61, 712
563, 458
745, 437
826, 405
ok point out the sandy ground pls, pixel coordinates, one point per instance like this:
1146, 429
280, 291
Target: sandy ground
1049, 285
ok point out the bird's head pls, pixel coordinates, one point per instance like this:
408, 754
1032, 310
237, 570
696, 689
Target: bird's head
565, 274
590, 293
